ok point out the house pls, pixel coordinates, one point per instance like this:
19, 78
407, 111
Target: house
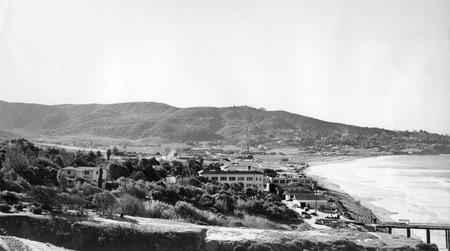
284, 180
94, 175
249, 177
309, 200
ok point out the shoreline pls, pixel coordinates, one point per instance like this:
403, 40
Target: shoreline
355, 202
358, 207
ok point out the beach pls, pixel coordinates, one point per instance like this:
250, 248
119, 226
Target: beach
416, 188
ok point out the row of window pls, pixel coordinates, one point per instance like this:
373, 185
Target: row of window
225, 178
84, 172
285, 181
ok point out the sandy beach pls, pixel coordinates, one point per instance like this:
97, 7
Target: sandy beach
416, 188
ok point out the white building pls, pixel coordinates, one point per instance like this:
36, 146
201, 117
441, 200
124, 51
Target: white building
248, 177
284, 180
90, 174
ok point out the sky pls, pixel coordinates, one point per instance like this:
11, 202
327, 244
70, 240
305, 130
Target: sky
383, 63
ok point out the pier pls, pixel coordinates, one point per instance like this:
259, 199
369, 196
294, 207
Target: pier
425, 226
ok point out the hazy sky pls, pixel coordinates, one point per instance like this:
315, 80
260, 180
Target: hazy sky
368, 63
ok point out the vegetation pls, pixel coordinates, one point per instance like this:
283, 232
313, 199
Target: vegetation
33, 175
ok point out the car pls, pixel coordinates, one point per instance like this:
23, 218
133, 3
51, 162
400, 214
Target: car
322, 221
306, 216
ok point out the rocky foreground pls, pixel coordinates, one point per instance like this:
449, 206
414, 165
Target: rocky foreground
133, 233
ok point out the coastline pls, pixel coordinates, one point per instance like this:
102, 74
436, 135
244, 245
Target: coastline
359, 208
356, 206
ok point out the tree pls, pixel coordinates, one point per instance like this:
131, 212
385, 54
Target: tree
115, 151
108, 154
75, 201
91, 156
138, 175
167, 151
105, 203
62, 180
117, 170
47, 196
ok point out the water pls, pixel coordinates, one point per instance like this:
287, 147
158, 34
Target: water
397, 187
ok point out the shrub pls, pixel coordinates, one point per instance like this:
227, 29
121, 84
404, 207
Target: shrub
259, 247
12, 186
74, 201
4, 208
10, 197
224, 203
159, 209
235, 223
207, 200
105, 203
23, 183
130, 205
36, 210
89, 189
259, 222
19, 207
47, 196
188, 212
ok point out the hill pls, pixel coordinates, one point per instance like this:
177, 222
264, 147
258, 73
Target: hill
149, 119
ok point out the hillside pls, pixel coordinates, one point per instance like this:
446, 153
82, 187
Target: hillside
149, 119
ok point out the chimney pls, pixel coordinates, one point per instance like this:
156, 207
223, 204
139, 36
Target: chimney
249, 168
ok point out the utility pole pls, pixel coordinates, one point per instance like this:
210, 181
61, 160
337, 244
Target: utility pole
315, 209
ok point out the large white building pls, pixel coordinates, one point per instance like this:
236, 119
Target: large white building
90, 174
248, 177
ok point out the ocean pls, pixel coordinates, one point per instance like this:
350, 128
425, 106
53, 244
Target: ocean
414, 187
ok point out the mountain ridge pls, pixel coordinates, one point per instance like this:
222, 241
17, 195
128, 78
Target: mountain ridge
144, 119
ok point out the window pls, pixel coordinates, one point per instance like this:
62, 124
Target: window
249, 178
282, 181
96, 172
240, 178
232, 178
223, 178
68, 172
275, 181
86, 172
248, 185
214, 178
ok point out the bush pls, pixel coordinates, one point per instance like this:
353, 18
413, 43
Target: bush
159, 209
74, 201
105, 203
23, 183
36, 210
19, 207
12, 186
89, 189
259, 222
188, 212
47, 196
207, 200
10, 197
4, 208
130, 205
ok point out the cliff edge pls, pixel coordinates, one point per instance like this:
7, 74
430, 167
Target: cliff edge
134, 233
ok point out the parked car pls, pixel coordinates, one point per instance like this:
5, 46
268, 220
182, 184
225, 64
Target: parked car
322, 221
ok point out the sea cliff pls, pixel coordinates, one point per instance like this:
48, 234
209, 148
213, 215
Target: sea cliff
133, 233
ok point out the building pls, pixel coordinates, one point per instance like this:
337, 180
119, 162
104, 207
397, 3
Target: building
89, 174
284, 180
248, 177
309, 200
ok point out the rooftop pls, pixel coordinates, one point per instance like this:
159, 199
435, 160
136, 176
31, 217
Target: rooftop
232, 172
82, 168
